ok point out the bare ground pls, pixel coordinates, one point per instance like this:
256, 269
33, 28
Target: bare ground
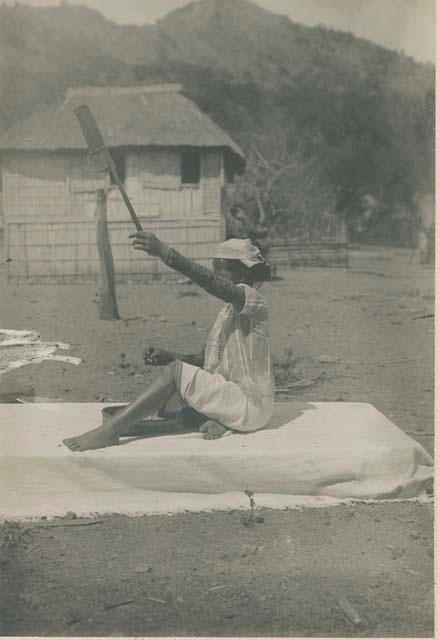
209, 574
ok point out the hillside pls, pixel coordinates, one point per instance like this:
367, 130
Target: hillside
241, 38
366, 111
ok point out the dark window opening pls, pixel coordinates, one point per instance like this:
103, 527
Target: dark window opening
119, 158
190, 167
229, 172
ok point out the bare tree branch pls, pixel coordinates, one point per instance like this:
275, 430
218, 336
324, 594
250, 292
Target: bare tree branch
285, 189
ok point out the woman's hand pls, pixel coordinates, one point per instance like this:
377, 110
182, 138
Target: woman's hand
148, 242
157, 357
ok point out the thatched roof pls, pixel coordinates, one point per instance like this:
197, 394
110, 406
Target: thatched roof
150, 116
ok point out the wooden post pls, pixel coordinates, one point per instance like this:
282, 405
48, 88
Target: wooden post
107, 301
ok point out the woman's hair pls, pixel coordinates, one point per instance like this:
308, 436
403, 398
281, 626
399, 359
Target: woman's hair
258, 273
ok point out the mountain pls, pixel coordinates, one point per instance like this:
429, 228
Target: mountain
239, 37
366, 111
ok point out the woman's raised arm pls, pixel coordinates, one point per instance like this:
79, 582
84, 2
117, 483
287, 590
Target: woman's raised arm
214, 284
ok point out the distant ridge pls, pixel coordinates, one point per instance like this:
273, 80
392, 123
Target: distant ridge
367, 112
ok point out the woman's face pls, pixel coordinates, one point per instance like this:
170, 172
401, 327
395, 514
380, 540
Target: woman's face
221, 268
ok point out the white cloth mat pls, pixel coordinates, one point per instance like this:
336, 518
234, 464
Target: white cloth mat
322, 453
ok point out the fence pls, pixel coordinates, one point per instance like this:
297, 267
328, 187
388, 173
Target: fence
289, 254
66, 251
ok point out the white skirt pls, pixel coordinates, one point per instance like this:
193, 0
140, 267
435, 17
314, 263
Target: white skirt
219, 399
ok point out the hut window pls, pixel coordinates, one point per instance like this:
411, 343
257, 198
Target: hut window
190, 167
119, 158
229, 173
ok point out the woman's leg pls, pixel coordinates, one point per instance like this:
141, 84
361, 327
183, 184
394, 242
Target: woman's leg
175, 417
108, 435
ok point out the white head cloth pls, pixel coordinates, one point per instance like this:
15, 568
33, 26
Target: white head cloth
243, 250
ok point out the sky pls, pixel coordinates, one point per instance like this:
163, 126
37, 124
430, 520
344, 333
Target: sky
403, 25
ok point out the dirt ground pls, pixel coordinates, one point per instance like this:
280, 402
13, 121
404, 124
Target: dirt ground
353, 335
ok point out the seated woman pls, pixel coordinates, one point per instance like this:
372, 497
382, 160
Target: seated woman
234, 389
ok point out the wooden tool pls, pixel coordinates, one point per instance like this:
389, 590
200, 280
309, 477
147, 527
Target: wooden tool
100, 154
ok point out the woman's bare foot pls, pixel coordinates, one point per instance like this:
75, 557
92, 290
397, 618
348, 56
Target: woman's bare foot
212, 430
96, 439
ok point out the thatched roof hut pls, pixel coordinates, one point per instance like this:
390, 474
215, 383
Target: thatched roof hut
174, 161
146, 116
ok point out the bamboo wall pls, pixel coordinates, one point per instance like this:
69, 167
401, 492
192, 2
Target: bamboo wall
50, 204
64, 185
57, 252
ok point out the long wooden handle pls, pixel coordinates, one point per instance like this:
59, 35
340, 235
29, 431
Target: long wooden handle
98, 149
125, 197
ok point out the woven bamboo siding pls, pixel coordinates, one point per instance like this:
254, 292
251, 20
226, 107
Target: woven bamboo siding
36, 186
211, 183
50, 204
58, 252
59, 185
160, 169
186, 203
153, 183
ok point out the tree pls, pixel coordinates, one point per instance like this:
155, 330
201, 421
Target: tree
284, 190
